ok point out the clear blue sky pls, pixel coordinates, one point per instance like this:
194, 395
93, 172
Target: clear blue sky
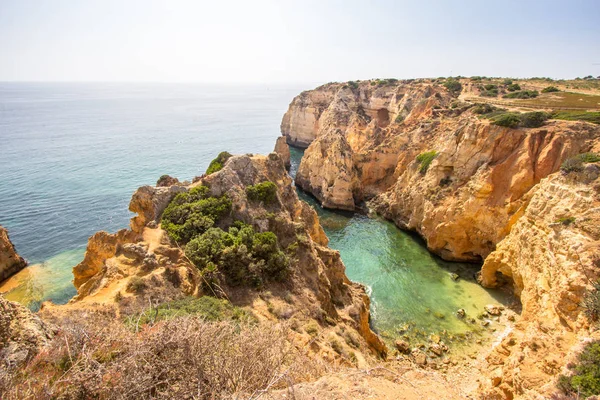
295, 41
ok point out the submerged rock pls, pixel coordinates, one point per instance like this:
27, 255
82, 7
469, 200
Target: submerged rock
461, 313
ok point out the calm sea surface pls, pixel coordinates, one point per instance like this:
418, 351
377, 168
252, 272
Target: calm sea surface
71, 156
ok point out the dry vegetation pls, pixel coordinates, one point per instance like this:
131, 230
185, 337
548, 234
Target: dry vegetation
99, 357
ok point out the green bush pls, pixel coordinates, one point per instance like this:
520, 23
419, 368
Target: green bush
353, 84
399, 119
425, 159
264, 191
572, 164
490, 93
591, 303
509, 120
566, 221
490, 87
513, 87
240, 255
217, 164
523, 94
483, 108
575, 164
193, 213
136, 285
550, 89
585, 380
507, 82
453, 86
533, 119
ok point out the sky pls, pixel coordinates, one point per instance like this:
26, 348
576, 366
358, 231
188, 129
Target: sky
280, 41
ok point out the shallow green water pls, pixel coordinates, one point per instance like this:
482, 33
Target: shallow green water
412, 291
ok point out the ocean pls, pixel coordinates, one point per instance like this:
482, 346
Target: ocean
72, 154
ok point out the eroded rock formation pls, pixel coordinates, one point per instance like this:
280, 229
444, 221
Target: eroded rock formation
321, 290
10, 261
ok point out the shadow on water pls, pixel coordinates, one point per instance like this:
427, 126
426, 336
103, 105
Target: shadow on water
414, 293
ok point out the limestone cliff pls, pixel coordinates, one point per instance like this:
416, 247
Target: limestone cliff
317, 290
552, 254
365, 145
10, 261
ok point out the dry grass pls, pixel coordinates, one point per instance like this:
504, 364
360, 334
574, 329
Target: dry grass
184, 358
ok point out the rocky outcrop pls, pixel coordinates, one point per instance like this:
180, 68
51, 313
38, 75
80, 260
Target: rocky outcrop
552, 254
22, 335
145, 255
10, 261
366, 144
282, 148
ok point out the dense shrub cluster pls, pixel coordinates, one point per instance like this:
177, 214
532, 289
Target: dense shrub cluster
240, 255
575, 164
425, 159
526, 120
484, 108
193, 213
453, 86
523, 94
585, 380
513, 87
217, 164
264, 191
550, 89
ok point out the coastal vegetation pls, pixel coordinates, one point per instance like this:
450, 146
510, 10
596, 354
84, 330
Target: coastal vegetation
217, 164
522, 94
576, 164
264, 191
585, 378
425, 159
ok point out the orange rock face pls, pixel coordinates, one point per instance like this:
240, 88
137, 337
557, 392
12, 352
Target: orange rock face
10, 261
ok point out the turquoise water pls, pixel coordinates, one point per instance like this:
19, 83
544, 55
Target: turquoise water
72, 154
412, 291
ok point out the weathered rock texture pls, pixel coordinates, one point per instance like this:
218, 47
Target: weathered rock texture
282, 148
490, 193
321, 290
552, 254
10, 261
22, 335
364, 145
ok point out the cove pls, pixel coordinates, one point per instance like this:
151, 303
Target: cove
413, 293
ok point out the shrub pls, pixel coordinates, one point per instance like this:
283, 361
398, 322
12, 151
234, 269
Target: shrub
217, 164
550, 89
513, 87
166, 180
193, 213
572, 164
575, 164
507, 82
136, 285
490, 87
591, 303
509, 120
240, 255
534, 119
399, 119
566, 221
585, 380
178, 357
353, 84
483, 108
453, 86
425, 159
523, 94
264, 191
589, 157
490, 93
